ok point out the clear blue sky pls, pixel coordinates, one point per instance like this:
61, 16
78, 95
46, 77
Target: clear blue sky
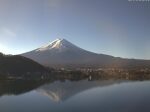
115, 27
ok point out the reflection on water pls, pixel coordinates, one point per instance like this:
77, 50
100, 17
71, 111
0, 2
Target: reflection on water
75, 96
61, 91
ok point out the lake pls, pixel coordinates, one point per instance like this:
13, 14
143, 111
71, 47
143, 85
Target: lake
75, 96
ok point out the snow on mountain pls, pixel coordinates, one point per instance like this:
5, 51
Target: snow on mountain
62, 53
58, 44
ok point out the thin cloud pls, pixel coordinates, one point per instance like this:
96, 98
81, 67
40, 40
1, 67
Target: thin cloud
7, 36
8, 32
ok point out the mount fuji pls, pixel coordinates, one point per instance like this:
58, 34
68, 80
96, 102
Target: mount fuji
62, 53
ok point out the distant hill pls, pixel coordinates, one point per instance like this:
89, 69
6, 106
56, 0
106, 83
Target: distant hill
14, 65
62, 53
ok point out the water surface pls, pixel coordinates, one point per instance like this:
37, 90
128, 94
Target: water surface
75, 96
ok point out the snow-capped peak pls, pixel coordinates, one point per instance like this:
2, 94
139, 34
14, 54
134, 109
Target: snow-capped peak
56, 44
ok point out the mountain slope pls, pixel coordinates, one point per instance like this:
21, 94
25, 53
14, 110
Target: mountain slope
15, 65
62, 53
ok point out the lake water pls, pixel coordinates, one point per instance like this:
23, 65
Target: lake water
75, 96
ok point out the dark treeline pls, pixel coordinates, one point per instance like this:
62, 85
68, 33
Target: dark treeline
18, 66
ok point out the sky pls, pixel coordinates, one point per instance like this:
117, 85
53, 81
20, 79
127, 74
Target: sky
115, 27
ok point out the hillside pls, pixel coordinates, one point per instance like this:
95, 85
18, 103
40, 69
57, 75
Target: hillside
15, 65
